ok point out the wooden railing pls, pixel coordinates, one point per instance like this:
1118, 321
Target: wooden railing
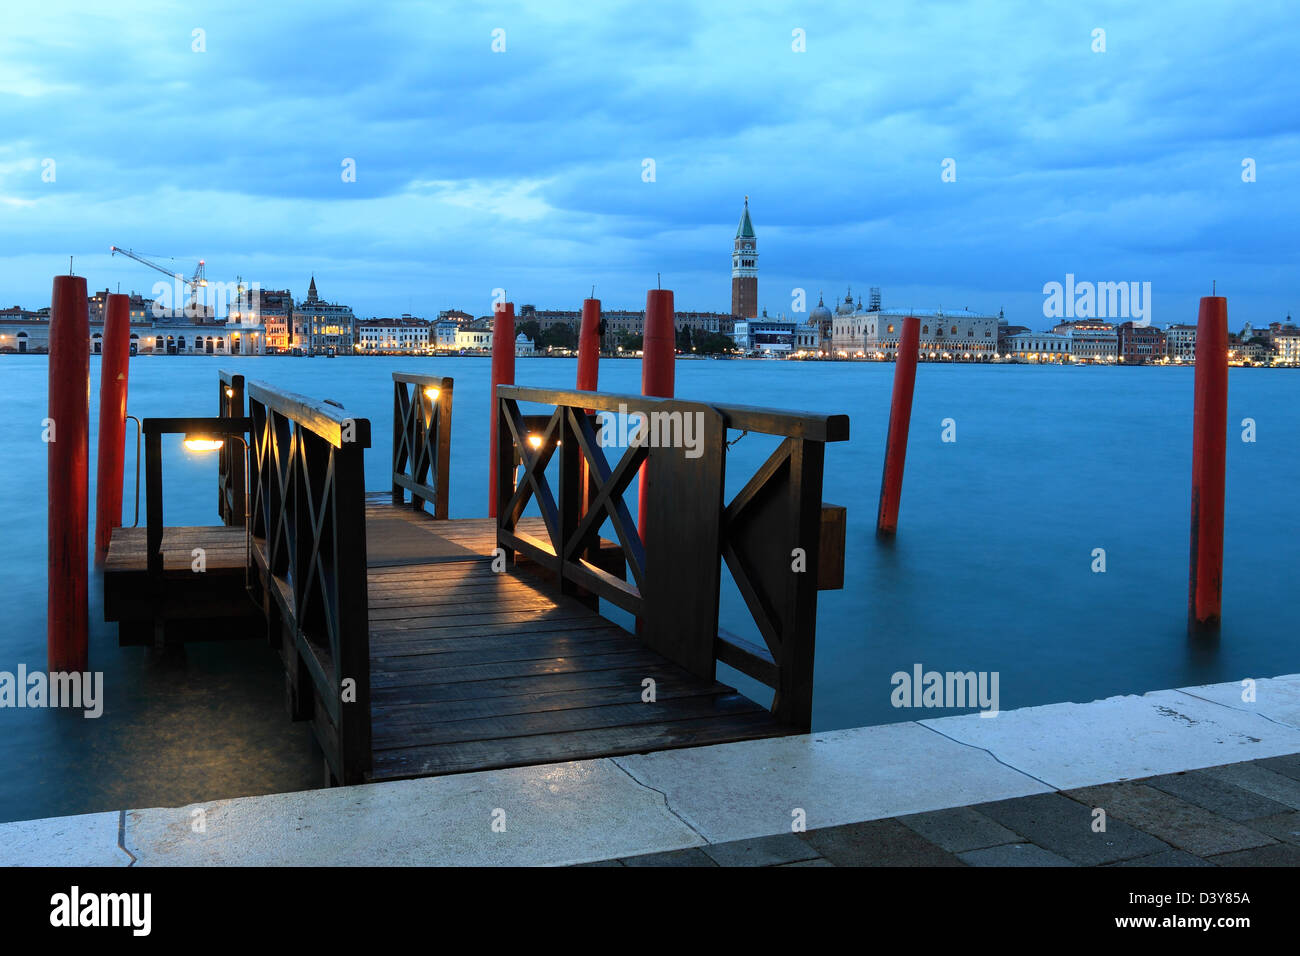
309, 533
231, 458
422, 440
771, 534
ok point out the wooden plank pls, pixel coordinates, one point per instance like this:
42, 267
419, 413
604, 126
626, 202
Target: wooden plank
568, 720
436, 694
548, 748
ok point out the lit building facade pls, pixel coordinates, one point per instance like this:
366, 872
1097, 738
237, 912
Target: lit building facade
319, 325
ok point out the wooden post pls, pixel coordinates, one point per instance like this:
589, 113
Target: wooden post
900, 418
68, 433
1209, 451
113, 372
401, 425
658, 353
503, 373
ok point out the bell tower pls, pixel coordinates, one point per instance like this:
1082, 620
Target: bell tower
744, 269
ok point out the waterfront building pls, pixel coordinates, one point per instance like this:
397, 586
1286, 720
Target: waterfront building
959, 335
1140, 344
1180, 343
765, 335
1249, 353
524, 345
407, 334
1036, 347
1091, 340
628, 322
442, 335
1286, 346
22, 332
476, 335
270, 311
319, 325
744, 268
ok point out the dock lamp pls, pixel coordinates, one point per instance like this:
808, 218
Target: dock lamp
199, 441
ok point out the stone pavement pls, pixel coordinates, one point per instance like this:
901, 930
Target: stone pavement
1240, 814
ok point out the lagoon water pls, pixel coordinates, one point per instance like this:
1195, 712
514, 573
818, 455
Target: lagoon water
991, 569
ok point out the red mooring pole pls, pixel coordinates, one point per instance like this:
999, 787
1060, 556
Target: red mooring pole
68, 432
503, 373
588, 370
900, 418
589, 346
112, 422
1209, 452
658, 355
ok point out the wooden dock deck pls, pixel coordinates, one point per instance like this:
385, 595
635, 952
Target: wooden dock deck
418, 645
472, 669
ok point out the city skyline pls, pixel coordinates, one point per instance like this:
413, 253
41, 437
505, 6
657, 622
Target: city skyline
469, 178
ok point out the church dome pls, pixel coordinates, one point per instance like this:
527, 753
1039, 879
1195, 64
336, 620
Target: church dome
845, 307
820, 313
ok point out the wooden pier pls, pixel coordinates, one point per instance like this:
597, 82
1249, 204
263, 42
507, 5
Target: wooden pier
418, 645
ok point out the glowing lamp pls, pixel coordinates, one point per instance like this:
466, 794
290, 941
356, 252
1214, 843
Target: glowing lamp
203, 444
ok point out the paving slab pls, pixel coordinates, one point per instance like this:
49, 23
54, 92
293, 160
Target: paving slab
1279, 854
1217, 795
1013, 854
1284, 827
555, 814
1256, 777
742, 790
1288, 765
1121, 738
1276, 698
89, 839
1168, 858
1179, 823
691, 857
1065, 827
960, 829
762, 851
877, 843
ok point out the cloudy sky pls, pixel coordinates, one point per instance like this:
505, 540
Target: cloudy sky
526, 168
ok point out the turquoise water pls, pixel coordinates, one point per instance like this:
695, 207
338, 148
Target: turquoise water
991, 569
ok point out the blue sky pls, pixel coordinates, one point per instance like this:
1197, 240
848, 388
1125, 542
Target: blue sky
523, 169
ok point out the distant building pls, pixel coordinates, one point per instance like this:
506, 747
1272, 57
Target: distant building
1249, 353
1091, 340
1140, 344
319, 325
475, 336
773, 336
1286, 347
1038, 347
744, 268
1180, 343
270, 310
959, 335
442, 335
524, 345
406, 334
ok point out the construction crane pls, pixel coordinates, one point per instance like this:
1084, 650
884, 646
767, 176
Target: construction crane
196, 282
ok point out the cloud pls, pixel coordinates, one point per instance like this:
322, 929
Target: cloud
523, 169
